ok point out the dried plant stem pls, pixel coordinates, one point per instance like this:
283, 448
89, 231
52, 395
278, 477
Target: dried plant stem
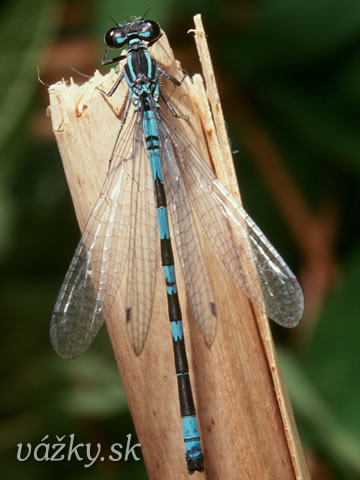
245, 420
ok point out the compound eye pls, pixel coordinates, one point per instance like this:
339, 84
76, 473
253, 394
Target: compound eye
115, 38
149, 31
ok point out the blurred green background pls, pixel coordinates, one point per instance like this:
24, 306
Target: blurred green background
289, 78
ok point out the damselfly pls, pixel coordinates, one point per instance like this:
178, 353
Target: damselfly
154, 168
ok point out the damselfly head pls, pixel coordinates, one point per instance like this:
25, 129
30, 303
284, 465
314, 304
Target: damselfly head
145, 30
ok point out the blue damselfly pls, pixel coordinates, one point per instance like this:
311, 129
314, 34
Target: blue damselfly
153, 169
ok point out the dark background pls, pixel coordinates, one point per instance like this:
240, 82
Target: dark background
289, 78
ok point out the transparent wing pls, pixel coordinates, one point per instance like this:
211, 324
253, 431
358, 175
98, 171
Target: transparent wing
144, 246
246, 253
196, 277
106, 247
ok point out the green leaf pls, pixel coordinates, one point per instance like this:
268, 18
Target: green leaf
25, 29
332, 359
342, 445
95, 387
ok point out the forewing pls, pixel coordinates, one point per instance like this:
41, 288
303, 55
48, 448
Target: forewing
246, 253
143, 250
97, 268
195, 273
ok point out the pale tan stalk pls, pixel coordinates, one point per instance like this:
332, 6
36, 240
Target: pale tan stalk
246, 423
